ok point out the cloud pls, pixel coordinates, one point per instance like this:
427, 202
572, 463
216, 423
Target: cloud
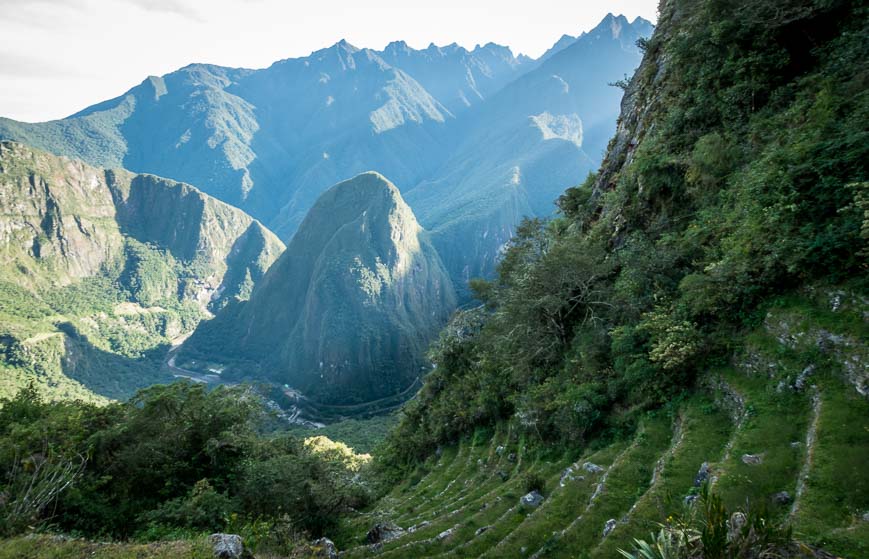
38, 13
26, 66
178, 7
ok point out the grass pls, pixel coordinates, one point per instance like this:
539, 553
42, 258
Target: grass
705, 430
837, 490
562, 504
627, 480
52, 547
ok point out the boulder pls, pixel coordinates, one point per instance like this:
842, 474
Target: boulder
735, 525
591, 468
702, 474
481, 530
752, 459
568, 475
782, 498
532, 499
384, 532
227, 546
800, 382
511, 457
609, 527
419, 526
445, 534
324, 548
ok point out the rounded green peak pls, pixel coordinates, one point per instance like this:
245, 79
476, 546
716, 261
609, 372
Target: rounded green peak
368, 183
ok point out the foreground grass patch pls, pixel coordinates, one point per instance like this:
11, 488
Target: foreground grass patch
55, 547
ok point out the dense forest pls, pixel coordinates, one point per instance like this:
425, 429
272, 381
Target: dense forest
739, 174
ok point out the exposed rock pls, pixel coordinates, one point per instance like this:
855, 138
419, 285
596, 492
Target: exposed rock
752, 459
865, 516
702, 474
568, 475
228, 546
800, 382
503, 475
419, 526
445, 534
609, 527
735, 524
499, 450
383, 532
481, 530
782, 498
690, 499
323, 548
532, 499
511, 457
592, 468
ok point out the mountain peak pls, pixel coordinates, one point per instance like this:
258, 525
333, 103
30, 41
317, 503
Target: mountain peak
397, 47
366, 185
347, 312
343, 44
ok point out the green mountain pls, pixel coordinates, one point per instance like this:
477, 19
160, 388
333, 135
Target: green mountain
101, 269
233, 133
346, 313
476, 139
680, 356
537, 136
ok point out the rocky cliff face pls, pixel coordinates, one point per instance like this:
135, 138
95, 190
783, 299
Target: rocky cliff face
347, 312
57, 215
100, 270
63, 220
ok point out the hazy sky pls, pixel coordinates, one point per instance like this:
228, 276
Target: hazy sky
59, 56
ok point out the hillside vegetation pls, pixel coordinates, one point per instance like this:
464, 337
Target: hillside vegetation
737, 179
675, 366
101, 270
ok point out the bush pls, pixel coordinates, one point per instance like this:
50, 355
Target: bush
175, 459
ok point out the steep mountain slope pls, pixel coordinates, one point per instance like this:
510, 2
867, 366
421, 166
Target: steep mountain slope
97, 263
233, 133
683, 350
539, 135
346, 313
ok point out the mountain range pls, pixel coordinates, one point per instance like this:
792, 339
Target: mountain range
473, 140
271, 141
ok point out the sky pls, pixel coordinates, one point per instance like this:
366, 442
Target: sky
60, 56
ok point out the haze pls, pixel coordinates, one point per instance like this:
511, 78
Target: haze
59, 56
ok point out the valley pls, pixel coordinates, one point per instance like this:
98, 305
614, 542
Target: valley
451, 302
